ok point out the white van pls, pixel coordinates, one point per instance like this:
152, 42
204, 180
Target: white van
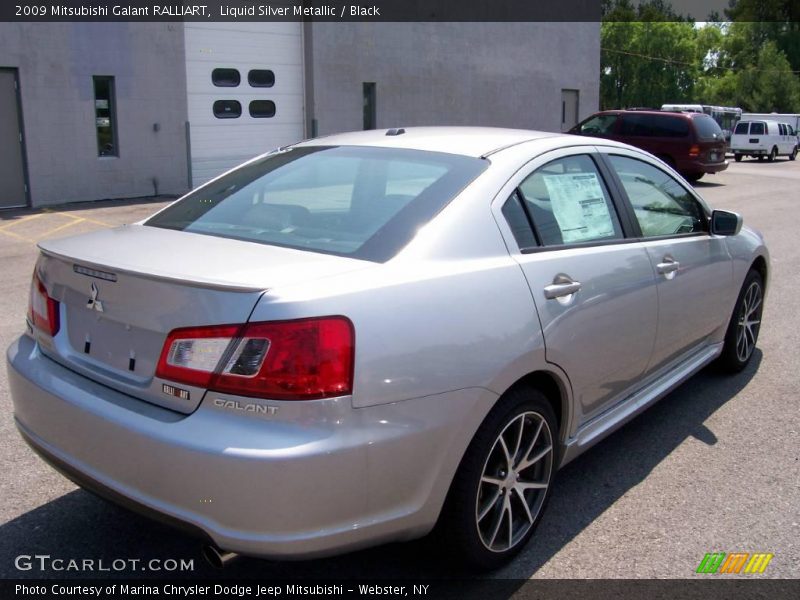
763, 138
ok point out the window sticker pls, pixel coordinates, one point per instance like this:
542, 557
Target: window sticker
579, 207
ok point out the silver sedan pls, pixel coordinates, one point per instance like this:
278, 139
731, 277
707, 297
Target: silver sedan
363, 337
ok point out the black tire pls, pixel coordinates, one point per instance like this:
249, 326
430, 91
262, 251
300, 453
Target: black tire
732, 358
793, 155
760, 158
462, 529
737, 157
694, 177
772, 154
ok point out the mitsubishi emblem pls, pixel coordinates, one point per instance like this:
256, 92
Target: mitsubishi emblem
93, 301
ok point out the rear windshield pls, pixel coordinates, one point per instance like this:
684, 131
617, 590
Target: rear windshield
741, 128
707, 128
757, 128
362, 202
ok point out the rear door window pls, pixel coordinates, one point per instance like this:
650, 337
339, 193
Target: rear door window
664, 126
757, 128
568, 203
741, 128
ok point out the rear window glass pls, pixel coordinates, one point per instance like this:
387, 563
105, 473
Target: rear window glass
362, 202
741, 128
654, 126
707, 128
757, 128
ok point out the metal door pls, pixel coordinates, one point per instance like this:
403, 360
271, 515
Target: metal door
596, 298
569, 109
12, 172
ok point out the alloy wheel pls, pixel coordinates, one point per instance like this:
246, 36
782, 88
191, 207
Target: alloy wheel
749, 321
514, 482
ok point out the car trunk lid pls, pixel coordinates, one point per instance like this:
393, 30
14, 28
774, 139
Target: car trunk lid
121, 291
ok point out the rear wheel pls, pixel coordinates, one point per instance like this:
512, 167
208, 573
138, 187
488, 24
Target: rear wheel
694, 177
745, 323
760, 158
737, 157
502, 484
772, 154
793, 155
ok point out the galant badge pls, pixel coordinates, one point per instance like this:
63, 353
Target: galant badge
93, 301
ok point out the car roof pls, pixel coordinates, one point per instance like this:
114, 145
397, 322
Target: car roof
467, 141
655, 111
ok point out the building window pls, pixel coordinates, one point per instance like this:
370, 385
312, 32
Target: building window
370, 111
225, 77
227, 109
105, 120
261, 78
260, 109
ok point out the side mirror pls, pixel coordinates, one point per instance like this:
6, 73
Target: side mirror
724, 222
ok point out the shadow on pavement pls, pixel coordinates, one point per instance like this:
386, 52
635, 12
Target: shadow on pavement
80, 526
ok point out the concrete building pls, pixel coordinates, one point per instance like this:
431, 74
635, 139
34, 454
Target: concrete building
96, 110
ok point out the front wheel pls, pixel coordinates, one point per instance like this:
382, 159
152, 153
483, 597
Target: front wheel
502, 484
745, 323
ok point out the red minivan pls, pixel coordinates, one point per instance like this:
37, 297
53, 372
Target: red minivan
691, 143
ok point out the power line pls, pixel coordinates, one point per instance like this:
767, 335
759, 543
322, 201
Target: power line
686, 64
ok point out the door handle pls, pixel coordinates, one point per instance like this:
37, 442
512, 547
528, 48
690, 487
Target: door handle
669, 265
562, 286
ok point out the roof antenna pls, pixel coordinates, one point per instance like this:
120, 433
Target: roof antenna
396, 131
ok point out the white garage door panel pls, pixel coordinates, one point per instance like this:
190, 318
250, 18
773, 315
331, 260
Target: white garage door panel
242, 47
287, 77
219, 144
229, 145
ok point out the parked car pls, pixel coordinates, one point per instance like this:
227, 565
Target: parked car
691, 143
357, 338
763, 139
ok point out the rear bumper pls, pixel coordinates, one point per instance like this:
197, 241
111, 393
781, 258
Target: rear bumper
750, 151
696, 166
314, 478
715, 167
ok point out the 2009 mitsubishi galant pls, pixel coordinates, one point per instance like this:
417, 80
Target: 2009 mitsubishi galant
349, 340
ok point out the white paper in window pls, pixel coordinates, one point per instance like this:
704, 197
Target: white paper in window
579, 207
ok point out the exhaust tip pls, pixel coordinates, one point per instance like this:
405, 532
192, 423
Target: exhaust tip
217, 558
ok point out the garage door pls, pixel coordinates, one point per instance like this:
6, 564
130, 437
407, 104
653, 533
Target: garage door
245, 92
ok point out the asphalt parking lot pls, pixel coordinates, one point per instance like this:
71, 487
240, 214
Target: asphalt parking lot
713, 467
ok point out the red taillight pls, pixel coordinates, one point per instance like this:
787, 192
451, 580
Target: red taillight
694, 150
42, 309
305, 359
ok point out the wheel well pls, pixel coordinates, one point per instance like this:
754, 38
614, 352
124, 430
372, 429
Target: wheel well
667, 159
551, 387
760, 265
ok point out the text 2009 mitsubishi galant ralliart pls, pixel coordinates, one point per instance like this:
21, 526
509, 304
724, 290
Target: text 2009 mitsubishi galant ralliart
353, 339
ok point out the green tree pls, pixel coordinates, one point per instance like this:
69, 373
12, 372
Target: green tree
648, 55
769, 85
